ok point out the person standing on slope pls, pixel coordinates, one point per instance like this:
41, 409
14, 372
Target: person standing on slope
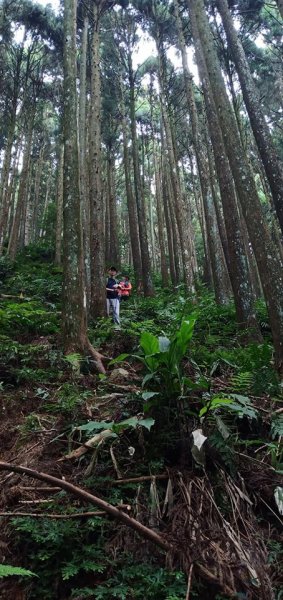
112, 296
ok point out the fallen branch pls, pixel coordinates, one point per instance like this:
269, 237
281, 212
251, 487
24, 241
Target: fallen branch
85, 515
15, 297
91, 443
142, 478
30, 488
114, 512
41, 501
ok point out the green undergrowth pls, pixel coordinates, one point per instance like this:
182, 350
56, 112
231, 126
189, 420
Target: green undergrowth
188, 369
85, 568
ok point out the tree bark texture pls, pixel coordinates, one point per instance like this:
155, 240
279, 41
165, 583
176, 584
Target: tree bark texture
181, 217
112, 225
98, 302
84, 190
269, 264
270, 159
237, 262
59, 209
145, 257
73, 301
131, 204
14, 236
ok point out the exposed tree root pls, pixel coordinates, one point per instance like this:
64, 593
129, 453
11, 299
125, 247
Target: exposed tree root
97, 356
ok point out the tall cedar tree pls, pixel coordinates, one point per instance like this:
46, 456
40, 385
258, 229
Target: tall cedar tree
73, 303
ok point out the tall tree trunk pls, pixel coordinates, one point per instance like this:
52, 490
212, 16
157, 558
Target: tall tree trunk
5, 183
269, 265
131, 204
42, 230
177, 256
145, 257
73, 300
84, 191
178, 205
169, 230
271, 163
36, 193
113, 217
59, 209
98, 302
219, 272
180, 209
7, 199
160, 219
13, 242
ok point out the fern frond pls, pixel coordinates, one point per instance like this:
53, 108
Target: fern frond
7, 570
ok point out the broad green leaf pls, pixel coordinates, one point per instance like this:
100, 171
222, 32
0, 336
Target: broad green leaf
147, 423
218, 401
133, 422
185, 333
148, 395
118, 359
149, 343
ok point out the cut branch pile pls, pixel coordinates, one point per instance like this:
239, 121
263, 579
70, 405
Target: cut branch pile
216, 541
224, 545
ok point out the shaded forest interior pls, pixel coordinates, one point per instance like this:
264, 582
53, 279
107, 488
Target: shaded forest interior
142, 459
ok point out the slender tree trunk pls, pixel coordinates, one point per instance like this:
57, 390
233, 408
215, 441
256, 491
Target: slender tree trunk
84, 191
181, 217
36, 194
237, 262
269, 264
73, 301
177, 256
5, 183
131, 204
98, 302
59, 209
219, 272
169, 230
145, 257
113, 217
42, 230
178, 206
160, 220
7, 200
13, 242
271, 163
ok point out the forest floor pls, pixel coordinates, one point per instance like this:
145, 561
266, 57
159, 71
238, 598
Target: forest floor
175, 371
